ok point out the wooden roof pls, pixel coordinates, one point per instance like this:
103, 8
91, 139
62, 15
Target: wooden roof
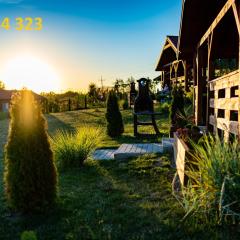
197, 16
6, 95
168, 53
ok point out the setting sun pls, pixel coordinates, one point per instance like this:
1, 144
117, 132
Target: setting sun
30, 72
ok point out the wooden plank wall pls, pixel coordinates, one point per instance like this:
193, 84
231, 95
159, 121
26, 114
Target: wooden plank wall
230, 102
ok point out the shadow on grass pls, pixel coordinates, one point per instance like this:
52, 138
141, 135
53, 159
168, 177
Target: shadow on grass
108, 200
147, 192
55, 124
132, 139
86, 112
94, 204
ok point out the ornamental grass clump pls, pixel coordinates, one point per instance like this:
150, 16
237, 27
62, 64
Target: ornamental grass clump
30, 176
71, 149
213, 190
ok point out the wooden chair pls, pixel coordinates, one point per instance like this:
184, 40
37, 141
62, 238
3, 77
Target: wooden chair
143, 106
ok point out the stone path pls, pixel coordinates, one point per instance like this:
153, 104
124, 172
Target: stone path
133, 150
127, 150
104, 154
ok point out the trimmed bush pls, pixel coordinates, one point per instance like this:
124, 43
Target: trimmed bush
115, 126
30, 175
72, 149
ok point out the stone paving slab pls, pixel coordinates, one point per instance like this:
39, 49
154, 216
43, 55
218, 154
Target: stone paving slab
127, 151
134, 150
104, 154
168, 143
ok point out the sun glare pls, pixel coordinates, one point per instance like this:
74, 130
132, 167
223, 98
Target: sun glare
32, 73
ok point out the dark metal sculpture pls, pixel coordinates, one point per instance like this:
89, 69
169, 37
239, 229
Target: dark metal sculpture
143, 106
133, 93
143, 101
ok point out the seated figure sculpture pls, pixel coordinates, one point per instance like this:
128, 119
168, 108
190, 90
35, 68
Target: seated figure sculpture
143, 105
143, 101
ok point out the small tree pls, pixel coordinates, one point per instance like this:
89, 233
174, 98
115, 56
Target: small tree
2, 85
113, 115
30, 175
177, 107
92, 91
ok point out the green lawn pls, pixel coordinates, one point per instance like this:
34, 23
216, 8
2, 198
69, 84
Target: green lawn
95, 117
128, 199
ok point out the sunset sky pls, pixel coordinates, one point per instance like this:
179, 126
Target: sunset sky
84, 40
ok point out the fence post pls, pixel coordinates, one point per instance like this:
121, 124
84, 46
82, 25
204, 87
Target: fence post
85, 102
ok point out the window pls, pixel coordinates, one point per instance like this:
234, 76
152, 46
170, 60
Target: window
234, 91
221, 113
221, 93
233, 115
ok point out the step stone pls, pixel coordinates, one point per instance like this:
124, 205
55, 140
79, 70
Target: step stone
135, 150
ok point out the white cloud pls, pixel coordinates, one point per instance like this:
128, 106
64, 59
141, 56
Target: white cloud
11, 1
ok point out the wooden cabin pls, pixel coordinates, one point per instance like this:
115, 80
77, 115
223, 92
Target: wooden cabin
6, 95
209, 43
172, 69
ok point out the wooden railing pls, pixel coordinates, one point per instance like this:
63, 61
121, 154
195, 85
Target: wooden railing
178, 80
224, 104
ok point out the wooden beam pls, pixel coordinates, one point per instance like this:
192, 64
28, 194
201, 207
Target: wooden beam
199, 88
194, 85
176, 72
236, 15
185, 66
167, 46
170, 77
210, 40
209, 76
176, 66
216, 21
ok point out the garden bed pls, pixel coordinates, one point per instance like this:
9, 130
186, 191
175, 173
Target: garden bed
181, 151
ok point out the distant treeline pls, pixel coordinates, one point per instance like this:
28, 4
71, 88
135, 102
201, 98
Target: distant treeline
94, 98
70, 101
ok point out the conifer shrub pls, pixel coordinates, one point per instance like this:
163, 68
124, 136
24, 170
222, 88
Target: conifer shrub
71, 149
115, 126
125, 104
30, 175
177, 107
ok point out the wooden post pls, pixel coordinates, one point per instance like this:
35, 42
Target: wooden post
210, 75
236, 12
238, 24
69, 104
135, 125
85, 101
194, 85
185, 66
170, 76
163, 78
176, 72
199, 87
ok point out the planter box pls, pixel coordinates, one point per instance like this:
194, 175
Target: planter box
181, 151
